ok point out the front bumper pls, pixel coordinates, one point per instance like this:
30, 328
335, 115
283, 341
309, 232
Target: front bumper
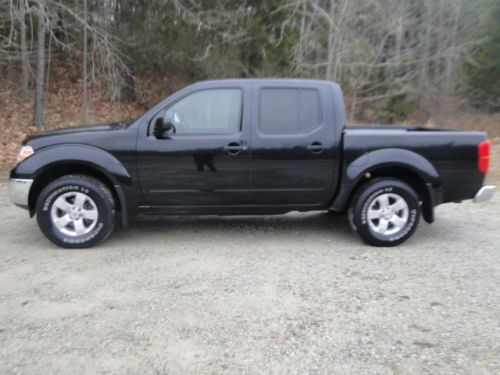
485, 193
19, 191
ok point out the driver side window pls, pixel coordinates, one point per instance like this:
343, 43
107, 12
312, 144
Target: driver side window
211, 111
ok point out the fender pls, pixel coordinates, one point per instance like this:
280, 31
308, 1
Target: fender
90, 156
379, 159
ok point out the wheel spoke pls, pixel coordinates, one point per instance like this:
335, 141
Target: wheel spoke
62, 221
398, 222
374, 214
90, 214
398, 205
383, 200
382, 225
80, 200
62, 204
79, 227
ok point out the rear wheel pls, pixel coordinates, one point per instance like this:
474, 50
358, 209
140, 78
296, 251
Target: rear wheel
76, 211
385, 212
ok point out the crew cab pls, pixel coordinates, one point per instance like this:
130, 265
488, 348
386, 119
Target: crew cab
246, 146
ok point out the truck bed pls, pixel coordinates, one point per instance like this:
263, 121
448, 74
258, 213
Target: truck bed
453, 153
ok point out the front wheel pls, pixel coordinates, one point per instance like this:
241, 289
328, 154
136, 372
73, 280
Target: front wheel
76, 211
385, 212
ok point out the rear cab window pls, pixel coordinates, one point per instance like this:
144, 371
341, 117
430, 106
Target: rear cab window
289, 110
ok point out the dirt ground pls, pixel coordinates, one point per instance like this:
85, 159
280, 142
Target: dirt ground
289, 294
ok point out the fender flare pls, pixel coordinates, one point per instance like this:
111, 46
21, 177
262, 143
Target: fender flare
75, 154
379, 159
84, 155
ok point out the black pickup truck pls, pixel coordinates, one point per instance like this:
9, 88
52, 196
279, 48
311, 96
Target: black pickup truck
254, 146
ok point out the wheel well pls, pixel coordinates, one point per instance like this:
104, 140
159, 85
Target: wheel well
412, 178
55, 172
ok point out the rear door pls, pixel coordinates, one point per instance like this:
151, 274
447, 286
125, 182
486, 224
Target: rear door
294, 159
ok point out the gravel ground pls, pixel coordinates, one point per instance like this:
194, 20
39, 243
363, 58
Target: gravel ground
296, 293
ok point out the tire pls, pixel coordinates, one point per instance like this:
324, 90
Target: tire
76, 211
384, 212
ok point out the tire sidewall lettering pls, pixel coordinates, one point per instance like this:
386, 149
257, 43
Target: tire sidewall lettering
409, 225
85, 238
63, 189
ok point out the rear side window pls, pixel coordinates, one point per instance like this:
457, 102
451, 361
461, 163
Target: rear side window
289, 110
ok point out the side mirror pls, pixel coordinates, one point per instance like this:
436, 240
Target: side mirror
162, 126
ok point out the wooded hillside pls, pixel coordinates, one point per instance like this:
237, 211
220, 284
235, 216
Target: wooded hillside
78, 61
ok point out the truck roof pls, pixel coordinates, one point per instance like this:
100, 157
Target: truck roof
267, 81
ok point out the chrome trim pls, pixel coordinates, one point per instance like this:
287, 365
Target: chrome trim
485, 193
19, 191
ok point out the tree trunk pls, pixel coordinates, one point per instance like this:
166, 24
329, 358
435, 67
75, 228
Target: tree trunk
127, 91
40, 67
84, 63
24, 50
330, 74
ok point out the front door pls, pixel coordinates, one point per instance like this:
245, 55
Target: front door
203, 161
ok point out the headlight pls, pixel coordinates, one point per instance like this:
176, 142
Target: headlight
24, 152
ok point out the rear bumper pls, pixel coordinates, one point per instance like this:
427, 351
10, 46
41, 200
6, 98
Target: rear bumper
485, 193
19, 191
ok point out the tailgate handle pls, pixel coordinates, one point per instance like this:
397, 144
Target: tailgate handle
316, 147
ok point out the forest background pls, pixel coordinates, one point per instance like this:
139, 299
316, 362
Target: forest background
78, 62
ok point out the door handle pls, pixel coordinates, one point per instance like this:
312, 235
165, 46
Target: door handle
234, 148
316, 147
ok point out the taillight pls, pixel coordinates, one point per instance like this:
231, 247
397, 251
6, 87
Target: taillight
483, 156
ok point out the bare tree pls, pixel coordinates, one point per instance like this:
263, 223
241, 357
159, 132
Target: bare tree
59, 23
384, 49
385, 53
40, 66
24, 49
84, 64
